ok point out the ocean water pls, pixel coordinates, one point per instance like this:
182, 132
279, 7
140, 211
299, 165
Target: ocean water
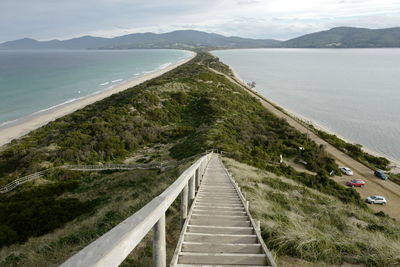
37, 80
354, 93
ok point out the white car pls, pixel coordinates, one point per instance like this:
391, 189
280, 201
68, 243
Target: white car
346, 171
376, 200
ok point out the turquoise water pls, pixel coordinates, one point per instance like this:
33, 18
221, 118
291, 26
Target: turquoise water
36, 81
354, 93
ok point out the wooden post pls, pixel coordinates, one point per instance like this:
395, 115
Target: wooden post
194, 185
159, 247
196, 174
247, 205
184, 204
191, 190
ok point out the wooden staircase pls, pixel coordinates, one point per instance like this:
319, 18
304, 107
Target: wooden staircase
219, 231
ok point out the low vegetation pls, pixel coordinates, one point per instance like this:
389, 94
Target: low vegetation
355, 151
395, 177
305, 223
45, 212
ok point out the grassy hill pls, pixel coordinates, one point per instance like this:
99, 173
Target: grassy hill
170, 119
304, 226
347, 37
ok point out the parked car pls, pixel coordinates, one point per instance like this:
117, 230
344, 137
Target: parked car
346, 171
376, 200
381, 175
356, 182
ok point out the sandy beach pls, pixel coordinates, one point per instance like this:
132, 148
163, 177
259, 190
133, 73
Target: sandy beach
7, 134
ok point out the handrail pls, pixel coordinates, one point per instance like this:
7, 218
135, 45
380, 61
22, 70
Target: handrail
113, 167
114, 246
10, 186
19, 181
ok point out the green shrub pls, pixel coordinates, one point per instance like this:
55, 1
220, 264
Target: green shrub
38, 211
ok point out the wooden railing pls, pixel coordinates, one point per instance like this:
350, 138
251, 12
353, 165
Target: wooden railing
114, 246
7, 188
19, 181
113, 167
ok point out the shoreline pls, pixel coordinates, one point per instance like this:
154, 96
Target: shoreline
394, 165
389, 189
26, 124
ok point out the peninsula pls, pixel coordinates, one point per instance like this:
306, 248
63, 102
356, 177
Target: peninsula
171, 120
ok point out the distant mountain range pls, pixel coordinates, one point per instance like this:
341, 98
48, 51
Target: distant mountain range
187, 39
340, 37
347, 37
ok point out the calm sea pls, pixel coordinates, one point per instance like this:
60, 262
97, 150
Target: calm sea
354, 93
35, 81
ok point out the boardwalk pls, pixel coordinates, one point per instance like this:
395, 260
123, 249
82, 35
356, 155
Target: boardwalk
219, 230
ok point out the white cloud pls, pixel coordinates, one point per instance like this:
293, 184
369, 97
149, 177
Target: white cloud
282, 19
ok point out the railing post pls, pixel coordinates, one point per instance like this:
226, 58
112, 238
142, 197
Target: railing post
184, 204
191, 190
159, 247
197, 175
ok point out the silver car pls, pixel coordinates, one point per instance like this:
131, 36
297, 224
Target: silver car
376, 200
346, 171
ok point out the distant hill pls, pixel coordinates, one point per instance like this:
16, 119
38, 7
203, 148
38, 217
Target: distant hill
347, 37
340, 37
177, 39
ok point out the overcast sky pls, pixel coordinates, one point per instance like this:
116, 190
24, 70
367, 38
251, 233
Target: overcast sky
278, 19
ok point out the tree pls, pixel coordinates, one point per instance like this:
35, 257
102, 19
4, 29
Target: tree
251, 84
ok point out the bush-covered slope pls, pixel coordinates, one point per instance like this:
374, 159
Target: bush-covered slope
304, 223
190, 102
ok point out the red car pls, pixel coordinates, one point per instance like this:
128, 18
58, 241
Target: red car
356, 182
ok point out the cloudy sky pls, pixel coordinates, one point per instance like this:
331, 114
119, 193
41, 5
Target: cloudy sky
279, 19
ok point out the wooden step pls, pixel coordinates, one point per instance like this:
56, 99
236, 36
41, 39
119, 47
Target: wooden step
219, 222
221, 248
220, 238
221, 196
219, 203
219, 265
231, 196
211, 212
220, 230
217, 199
222, 216
222, 258
218, 206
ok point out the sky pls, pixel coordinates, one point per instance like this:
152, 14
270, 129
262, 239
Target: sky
266, 19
